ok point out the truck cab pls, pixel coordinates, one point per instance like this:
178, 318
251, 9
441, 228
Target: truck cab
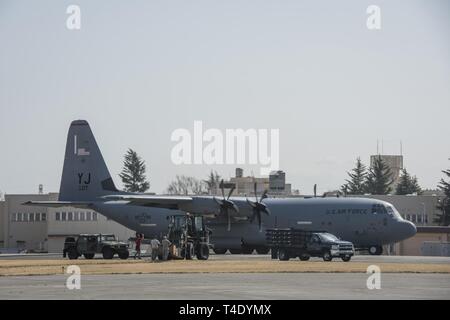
328, 246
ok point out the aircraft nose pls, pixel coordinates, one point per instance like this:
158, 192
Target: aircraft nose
409, 229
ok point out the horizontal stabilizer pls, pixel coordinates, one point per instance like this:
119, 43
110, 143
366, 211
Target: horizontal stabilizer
58, 204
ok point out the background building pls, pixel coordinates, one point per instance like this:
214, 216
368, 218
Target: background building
40, 229
275, 184
394, 162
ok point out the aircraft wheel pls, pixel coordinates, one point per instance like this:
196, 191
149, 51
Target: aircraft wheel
375, 250
220, 251
108, 253
89, 255
235, 251
283, 255
346, 258
72, 253
327, 256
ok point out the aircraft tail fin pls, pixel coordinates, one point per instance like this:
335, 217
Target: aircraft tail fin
85, 176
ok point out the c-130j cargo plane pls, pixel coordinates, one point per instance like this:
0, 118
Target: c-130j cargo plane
237, 223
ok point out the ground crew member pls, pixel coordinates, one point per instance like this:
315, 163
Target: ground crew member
154, 244
138, 241
165, 248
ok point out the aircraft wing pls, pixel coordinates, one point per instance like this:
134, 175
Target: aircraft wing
167, 202
204, 205
58, 204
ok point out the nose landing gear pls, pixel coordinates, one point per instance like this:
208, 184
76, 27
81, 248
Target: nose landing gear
375, 250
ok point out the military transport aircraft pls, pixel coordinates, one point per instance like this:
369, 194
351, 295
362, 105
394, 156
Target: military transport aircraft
237, 223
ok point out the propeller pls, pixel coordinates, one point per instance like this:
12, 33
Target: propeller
258, 207
226, 204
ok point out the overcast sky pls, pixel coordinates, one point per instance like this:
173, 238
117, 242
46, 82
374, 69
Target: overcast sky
137, 70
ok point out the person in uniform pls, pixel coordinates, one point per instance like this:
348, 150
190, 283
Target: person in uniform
165, 248
154, 244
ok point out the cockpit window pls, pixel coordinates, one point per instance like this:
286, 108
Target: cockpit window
392, 212
379, 209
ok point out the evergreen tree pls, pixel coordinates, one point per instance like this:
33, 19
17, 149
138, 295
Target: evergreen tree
133, 173
356, 183
407, 184
415, 187
443, 219
379, 178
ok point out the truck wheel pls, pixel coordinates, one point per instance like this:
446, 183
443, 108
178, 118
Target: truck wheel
89, 255
72, 253
124, 255
327, 256
375, 250
304, 257
189, 251
220, 251
283, 255
203, 252
235, 251
108, 253
262, 250
346, 258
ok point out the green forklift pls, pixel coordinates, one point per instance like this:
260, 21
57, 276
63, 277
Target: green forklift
189, 237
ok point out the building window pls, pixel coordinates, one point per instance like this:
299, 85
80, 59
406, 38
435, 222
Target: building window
14, 217
19, 217
31, 217
70, 216
414, 218
63, 216
94, 216
88, 216
82, 216
38, 216
58, 216
25, 216
76, 216
426, 219
44, 216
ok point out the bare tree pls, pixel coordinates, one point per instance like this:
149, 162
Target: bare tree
183, 185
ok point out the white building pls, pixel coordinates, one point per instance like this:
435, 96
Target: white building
43, 229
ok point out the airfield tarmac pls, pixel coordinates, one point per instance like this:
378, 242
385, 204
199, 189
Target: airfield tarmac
227, 277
